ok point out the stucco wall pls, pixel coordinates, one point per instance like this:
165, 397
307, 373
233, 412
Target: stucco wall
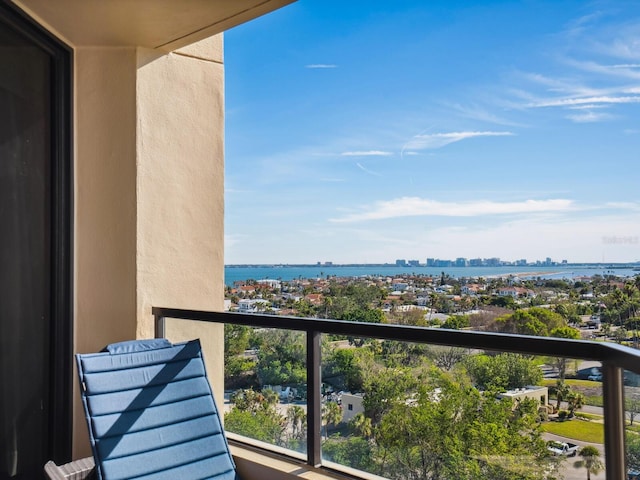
105, 205
180, 189
149, 169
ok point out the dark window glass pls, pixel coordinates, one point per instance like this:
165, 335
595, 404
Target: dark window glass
29, 205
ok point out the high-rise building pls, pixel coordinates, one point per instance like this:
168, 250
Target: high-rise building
462, 262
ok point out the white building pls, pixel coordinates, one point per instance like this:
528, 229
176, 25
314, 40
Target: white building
257, 305
539, 394
352, 404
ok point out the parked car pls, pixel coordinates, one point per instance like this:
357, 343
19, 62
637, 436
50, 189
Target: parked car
564, 449
584, 373
596, 377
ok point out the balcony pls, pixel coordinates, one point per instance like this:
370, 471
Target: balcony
251, 454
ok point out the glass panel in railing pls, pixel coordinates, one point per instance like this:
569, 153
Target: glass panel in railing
632, 424
265, 385
405, 410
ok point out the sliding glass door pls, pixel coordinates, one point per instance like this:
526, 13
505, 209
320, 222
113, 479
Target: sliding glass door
35, 246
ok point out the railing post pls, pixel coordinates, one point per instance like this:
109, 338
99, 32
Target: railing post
159, 326
614, 419
314, 402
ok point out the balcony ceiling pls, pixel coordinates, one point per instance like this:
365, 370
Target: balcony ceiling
162, 24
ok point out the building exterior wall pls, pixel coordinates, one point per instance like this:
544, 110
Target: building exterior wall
149, 170
539, 394
105, 206
180, 193
148, 197
357, 406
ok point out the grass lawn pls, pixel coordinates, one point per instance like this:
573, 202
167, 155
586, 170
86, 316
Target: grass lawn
577, 429
590, 416
572, 382
635, 428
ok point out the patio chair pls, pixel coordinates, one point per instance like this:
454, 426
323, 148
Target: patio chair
151, 414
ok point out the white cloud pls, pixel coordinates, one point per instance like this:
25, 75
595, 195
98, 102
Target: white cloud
366, 170
569, 102
415, 206
627, 65
625, 71
595, 238
589, 117
624, 206
321, 65
366, 153
438, 140
570, 87
588, 106
477, 112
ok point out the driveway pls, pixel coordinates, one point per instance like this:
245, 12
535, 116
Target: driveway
568, 471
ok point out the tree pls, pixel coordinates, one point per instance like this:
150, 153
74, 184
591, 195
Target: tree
354, 452
451, 430
344, 367
298, 421
502, 372
248, 400
533, 321
562, 392
564, 332
236, 341
331, 415
363, 314
620, 335
263, 426
446, 358
386, 387
414, 317
590, 461
281, 358
362, 425
254, 415
403, 354
575, 401
456, 322
633, 451
632, 406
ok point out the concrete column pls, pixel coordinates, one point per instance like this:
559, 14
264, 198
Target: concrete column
180, 192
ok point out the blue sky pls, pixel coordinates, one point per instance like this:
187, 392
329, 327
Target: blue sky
367, 131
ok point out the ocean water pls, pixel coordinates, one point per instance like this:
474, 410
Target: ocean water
240, 273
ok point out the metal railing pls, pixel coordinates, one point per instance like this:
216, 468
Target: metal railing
615, 359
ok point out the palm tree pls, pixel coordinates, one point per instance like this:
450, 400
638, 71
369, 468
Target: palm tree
362, 425
297, 417
331, 415
562, 392
575, 401
590, 460
271, 398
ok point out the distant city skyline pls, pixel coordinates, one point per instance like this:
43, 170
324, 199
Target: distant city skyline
367, 131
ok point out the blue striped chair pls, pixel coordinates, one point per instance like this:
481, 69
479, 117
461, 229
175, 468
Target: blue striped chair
151, 413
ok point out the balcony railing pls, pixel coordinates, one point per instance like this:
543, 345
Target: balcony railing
614, 358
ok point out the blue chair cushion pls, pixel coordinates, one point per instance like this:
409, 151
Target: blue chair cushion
151, 413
